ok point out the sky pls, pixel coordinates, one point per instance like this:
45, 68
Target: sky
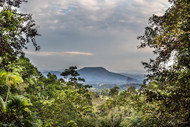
91, 33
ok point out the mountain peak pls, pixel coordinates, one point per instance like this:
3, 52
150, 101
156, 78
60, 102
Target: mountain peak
93, 69
101, 75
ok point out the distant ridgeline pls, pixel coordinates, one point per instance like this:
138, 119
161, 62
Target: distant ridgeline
100, 78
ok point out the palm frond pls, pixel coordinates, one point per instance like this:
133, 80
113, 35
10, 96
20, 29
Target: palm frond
10, 78
2, 105
18, 102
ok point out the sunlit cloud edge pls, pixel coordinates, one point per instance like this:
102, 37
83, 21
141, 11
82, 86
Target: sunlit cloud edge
46, 53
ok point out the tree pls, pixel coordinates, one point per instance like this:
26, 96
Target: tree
71, 76
114, 91
168, 35
67, 105
168, 90
15, 3
28, 70
15, 112
16, 30
9, 79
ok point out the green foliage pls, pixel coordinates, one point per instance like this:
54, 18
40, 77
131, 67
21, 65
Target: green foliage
15, 112
167, 93
2, 105
8, 79
170, 101
168, 35
124, 110
71, 75
16, 30
135, 119
14, 3
114, 91
113, 119
28, 70
67, 105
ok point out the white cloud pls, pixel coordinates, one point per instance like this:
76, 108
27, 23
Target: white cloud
96, 5
89, 4
108, 28
101, 14
45, 53
148, 7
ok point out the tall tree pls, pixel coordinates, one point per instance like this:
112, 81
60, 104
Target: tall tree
71, 75
169, 86
168, 35
16, 30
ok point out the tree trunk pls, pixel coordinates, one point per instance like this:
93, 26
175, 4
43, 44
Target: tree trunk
8, 91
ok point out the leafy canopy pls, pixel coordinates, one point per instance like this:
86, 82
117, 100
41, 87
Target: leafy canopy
16, 30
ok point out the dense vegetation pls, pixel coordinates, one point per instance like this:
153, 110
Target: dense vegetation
27, 98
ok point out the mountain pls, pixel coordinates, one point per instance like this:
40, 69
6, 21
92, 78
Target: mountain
94, 75
139, 77
101, 78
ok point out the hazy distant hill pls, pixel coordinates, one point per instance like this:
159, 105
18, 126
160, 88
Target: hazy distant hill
138, 77
101, 78
94, 75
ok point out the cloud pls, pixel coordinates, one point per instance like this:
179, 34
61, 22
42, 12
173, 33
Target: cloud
147, 7
98, 15
44, 53
106, 28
